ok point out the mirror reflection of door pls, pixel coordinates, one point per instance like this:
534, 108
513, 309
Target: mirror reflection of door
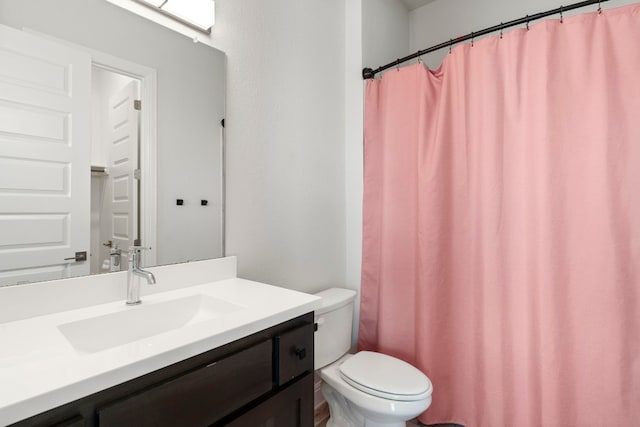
115, 162
44, 158
59, 194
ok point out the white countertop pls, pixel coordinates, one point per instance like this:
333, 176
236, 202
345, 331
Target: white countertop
41, 370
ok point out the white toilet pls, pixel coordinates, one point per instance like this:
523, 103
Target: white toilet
365, 389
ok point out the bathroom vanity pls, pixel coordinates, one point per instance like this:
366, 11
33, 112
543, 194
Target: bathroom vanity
266, 377
226, 352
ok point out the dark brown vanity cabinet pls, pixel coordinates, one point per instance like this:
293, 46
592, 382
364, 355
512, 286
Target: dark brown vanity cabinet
287, 408
265, 379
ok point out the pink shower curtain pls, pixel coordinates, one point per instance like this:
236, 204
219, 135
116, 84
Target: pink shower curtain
501, 249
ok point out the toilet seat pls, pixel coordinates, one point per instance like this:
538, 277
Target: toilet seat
385, 376
378, 409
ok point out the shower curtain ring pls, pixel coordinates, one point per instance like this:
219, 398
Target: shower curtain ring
561, 16
472, 36
599, 8
527, 22
398, 64
501, 29
450, 45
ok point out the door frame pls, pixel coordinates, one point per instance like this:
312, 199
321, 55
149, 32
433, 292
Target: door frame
148, 136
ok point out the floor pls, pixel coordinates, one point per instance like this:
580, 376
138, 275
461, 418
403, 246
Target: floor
412, 423
416, 423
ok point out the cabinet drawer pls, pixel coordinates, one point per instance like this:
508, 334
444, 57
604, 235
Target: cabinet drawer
199, 397
291, 407
294, 351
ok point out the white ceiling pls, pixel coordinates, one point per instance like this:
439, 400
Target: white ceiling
414, 4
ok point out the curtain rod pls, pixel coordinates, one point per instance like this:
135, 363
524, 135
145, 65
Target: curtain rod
368, 73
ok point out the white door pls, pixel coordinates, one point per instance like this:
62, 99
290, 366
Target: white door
122, 137
45, 135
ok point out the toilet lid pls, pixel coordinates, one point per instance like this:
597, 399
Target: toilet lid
385, 376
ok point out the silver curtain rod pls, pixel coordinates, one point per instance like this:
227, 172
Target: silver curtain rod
368, 73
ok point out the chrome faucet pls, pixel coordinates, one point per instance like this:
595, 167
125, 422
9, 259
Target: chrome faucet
133, 285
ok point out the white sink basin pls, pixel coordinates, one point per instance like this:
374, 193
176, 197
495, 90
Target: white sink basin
135, 323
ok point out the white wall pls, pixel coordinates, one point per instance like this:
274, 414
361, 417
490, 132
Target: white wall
385, 31
294, 132
445, 19
285, 139
354, 111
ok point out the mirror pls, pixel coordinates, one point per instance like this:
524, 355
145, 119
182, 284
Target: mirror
180, 151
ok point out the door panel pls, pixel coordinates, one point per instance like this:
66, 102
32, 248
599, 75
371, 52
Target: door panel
44, 158
122, 136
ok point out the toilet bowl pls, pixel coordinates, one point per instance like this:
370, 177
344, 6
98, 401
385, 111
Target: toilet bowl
366, 389
358, 404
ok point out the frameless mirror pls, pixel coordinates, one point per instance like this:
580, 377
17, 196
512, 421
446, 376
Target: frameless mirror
110, 135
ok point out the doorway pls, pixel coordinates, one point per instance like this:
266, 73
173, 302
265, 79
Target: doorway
115, 167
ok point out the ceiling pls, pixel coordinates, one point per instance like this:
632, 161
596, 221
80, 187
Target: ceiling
414, 4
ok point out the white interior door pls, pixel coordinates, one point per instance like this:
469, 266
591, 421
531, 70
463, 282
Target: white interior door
45, 110
122, 137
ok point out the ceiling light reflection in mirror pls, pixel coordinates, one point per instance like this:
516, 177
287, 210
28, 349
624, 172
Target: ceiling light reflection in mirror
197, 13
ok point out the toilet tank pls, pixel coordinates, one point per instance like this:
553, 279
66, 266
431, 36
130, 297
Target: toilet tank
334, 319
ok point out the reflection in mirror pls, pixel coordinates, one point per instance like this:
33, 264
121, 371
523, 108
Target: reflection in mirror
115, 164
84, 169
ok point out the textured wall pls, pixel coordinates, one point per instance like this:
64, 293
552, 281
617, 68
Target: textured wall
285, 139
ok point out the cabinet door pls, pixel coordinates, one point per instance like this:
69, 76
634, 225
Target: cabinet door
294, 353
200, 397
291, 407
